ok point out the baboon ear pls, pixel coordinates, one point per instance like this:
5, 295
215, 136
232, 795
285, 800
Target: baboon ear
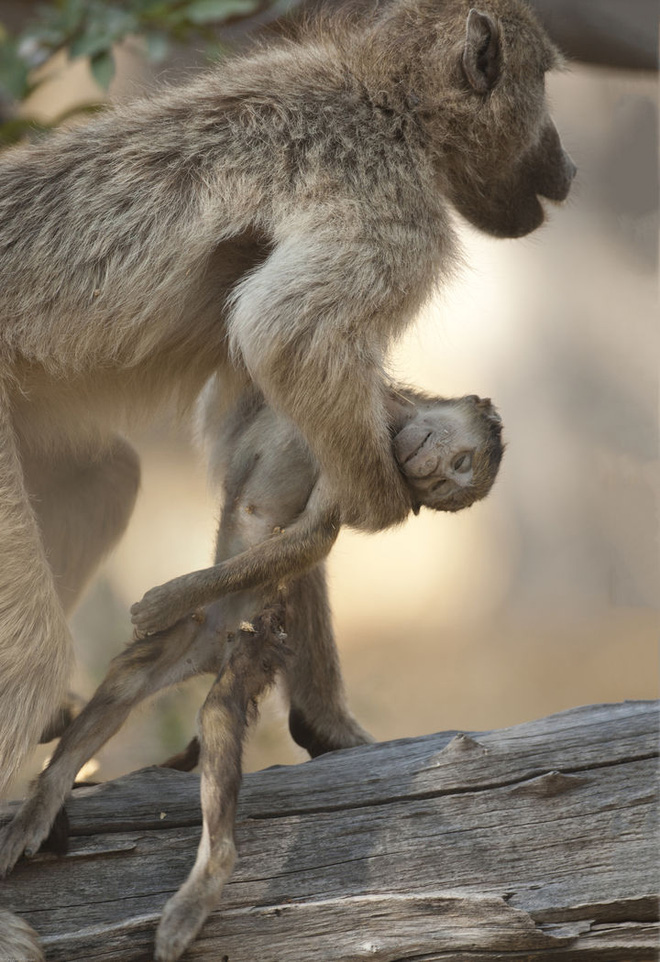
481, 54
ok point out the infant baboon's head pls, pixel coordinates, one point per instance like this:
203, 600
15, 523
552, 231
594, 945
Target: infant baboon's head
450, 452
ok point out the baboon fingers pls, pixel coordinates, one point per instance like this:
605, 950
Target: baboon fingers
159, 609
24, 834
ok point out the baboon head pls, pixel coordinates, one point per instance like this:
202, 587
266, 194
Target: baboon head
498, 152
450, 452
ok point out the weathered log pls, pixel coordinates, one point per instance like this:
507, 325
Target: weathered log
537, 839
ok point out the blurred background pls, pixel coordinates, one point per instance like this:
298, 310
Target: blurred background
543, 597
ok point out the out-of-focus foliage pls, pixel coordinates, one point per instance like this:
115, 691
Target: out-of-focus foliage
91, 28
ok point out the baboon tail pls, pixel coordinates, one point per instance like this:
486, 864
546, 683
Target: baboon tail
18, 941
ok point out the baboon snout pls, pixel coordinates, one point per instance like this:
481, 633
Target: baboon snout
557, 182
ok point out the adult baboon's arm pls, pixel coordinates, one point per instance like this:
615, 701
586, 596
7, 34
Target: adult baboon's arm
312, 325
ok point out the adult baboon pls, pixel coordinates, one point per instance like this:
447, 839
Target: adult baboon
280, 221
274, 533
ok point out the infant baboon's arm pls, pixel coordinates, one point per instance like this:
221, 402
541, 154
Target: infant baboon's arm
448, 451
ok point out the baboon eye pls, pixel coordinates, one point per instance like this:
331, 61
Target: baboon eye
462, 462
439, 485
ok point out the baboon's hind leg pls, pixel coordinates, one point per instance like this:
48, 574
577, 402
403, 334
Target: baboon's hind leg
186, 760
145, 667
69, 709
319, 718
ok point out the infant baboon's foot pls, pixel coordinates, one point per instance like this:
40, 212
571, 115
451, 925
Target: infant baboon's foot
159, 609
184, 914
25, 834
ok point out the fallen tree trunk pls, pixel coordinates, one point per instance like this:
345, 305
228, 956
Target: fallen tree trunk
537, 839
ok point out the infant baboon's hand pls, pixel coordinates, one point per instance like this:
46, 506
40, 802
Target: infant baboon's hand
162, 607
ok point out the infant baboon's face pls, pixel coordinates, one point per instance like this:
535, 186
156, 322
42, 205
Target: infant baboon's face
450, 451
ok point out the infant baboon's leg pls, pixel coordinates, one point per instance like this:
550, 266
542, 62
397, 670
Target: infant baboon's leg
82, 506
253, 658
319, 718
69, 709
145, 667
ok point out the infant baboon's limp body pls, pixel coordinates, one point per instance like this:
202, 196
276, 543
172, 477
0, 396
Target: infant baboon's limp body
283, 520
274, 534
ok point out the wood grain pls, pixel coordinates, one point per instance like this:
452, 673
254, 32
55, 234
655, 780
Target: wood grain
538, 839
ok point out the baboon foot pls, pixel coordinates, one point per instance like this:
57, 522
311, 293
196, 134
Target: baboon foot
343, 733
24, 835
185, 913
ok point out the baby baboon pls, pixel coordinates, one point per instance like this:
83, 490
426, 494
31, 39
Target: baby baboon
279, 221
449, 452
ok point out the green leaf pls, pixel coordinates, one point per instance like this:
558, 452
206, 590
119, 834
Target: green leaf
18, 128
207, 11
72, 14
89, 45
105, 25
13, 72
216, 51
164, 14
103, 68
115, 20
158, 45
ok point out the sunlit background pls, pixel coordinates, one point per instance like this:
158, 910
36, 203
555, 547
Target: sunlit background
540, 598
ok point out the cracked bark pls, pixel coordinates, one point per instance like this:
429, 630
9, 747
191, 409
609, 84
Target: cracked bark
537, 839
